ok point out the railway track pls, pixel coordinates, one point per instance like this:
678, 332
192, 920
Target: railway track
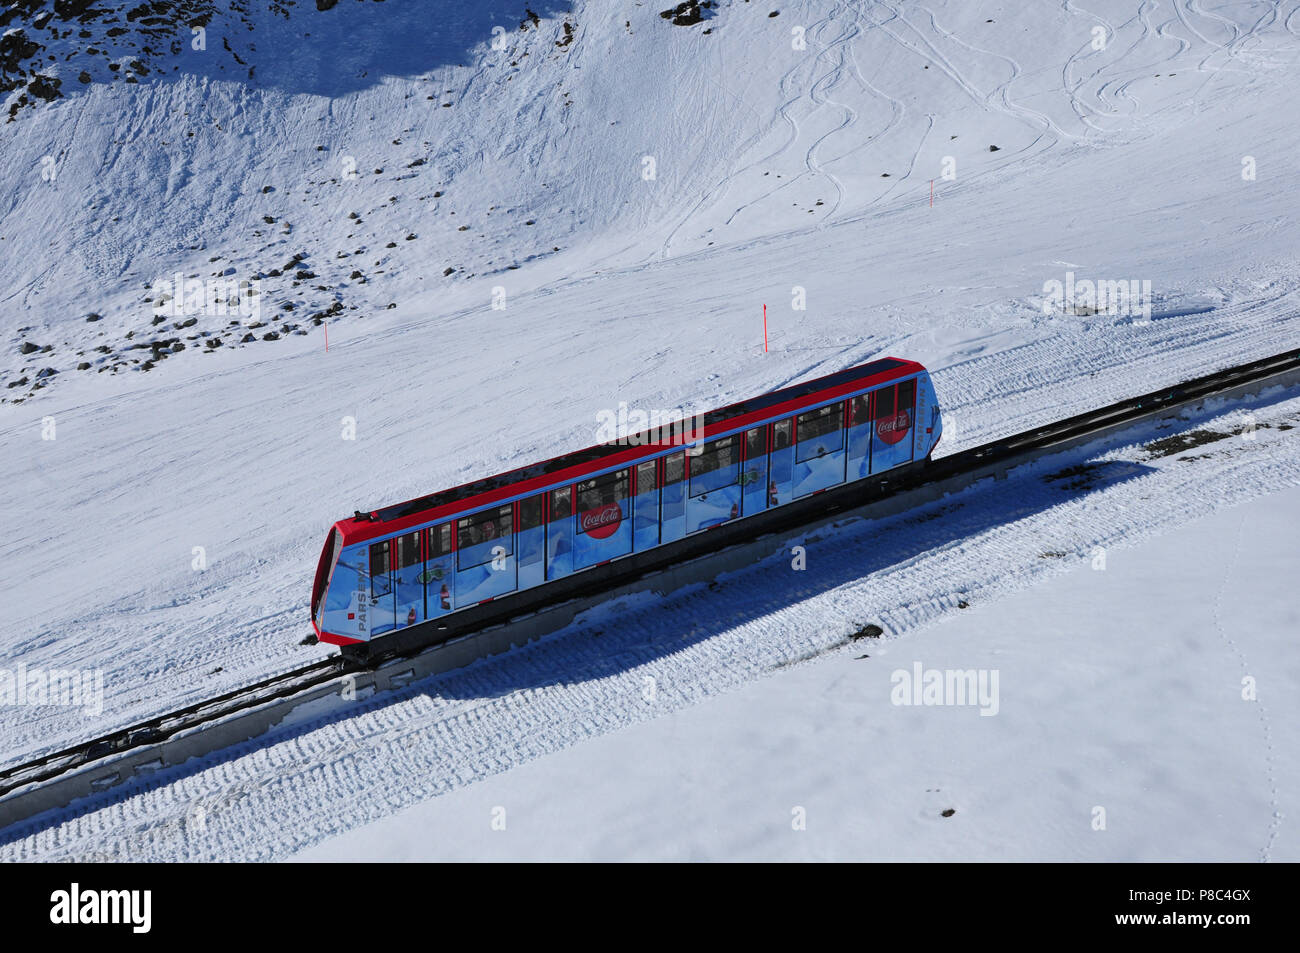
23, 787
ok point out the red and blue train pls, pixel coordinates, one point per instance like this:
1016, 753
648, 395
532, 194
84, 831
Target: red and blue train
429, 569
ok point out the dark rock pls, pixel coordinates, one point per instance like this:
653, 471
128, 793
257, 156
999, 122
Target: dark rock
45, 87
871, 631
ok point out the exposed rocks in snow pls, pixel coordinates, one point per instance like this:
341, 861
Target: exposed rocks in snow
688, 13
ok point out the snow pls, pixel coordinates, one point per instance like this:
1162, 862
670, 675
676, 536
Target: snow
168, 534
1119, 689
298, 788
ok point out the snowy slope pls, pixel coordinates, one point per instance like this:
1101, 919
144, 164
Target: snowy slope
1119, 163
1147, 655
1118, 689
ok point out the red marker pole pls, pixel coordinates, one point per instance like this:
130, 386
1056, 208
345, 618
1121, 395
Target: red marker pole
326, 326
764, 329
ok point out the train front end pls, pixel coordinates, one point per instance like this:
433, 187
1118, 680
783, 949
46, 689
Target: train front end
340, 608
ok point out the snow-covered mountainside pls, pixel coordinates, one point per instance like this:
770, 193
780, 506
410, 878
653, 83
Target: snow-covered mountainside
454, 233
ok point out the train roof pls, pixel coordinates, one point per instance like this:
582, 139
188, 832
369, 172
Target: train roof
396, 518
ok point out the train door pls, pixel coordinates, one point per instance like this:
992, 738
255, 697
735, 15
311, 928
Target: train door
603, 530
781, 476
754, 476
531, 541
439, 571
559, 533
408, 576
485, 559
859, 438
819, 449
383, 604
645, 506
891, 443
713, 481
673, 498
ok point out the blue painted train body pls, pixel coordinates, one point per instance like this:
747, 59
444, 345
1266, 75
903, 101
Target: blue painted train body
431, 558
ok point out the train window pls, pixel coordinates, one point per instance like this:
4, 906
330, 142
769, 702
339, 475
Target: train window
645, 477
408, 550
379, 558
716, 466
530, 512
781, 434
885, 403
755, 443
906, 394
479, 535
820, 432
329, 558
440, 540
561, 503
674, 467
379, 566
601, 493
859, 409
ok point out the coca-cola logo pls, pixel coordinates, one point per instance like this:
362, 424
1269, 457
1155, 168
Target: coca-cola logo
895, 428
601, 522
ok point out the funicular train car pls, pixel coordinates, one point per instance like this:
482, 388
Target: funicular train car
434, 566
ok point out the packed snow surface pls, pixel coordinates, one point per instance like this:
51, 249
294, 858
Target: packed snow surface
504, 233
